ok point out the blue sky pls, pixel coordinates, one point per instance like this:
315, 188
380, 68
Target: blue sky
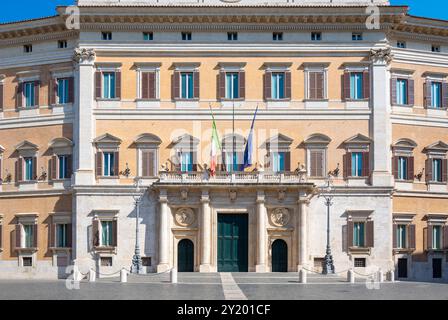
12, 10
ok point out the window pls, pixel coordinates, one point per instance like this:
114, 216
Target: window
317, 163
106, 35
186, 161
401, 44
232, 36
232, 85
109, 85
62, 44
403, 168
233, 161
107, 233
435, 48
356, 85
106, 261
278, 161
356, 164
28, 48
359, 234
402, 91
436, 237
27, 261
436, 95
64, 169
437, 170
359, 262
28, 231
357, 36
62, 233
109, 164
186, 85
146, 261
401, 236
316, 36
63, 91
277, 36
28, 164
186, 36
148, 36
149, 163
316, 85
278, 85
29, 94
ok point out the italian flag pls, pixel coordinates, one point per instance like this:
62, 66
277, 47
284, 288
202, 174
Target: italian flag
215, 147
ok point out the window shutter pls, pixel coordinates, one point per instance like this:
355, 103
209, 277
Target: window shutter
444, 170
393, 91
428, 170
346, 86
18, 235
69, 235
148, 163
54, 170
34, 175
347, 159
53, 90
317, 161
411, 236
118, 84
411, 99
152, 85
429, 237
196, 84
114, 233
445, 237
395, 166
427, 93
287, 85
222, 85
19, 169
116, 163
350, 226
19, 95
320, 85
242, 84
369, 234
365, 164
36, 93
267, 85
69, 166
312, 86
195, 162
366, 85
175, 85
1, 96
95, 233
444, 95
1, 236
394, 236
410, 169
145, 85
287, 161
71, 90
99, 164
35, 235
53, 243
98, 87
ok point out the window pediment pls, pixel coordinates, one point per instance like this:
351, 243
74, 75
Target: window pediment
185, 141
317, 139
107, 139
227, 142
278, 142
433, 218
437, 147
277, 66
357, 142
26, 146
185, 66
60, 143
147, 139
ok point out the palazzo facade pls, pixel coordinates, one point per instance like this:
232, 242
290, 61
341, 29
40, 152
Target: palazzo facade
123, 92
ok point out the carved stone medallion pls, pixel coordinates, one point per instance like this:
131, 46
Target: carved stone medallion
185, 217
280, 217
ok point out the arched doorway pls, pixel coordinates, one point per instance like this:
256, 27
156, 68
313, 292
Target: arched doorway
185, 256
279, 256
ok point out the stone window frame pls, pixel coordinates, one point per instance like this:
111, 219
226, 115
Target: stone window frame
25, 77
357, 143
27, 149
142, 67
316, 67
186, 67
22, 252
232, 67
430, 77
435, 219
364, 216
106, 67
60, 146
277, 143
407, 219
405, 74
64, 73
437, 150
278, 67
2, 93
185, 143
99, 216
147, 142
58, 218
107, 143
317, 141
404, 147
2, 151
360, 67
240, 144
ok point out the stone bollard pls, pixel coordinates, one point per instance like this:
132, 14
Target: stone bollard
123, 275
92, 275
380, 276
173, 275
391, 276
302, 276
350, 276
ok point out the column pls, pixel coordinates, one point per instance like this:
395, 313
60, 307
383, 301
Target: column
84, 125
303, 203
261, 233
380, 124
163, 233
205, 233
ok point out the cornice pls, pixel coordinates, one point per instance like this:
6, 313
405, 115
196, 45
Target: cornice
62, 34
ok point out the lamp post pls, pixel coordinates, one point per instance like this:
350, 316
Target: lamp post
137, 266
327, 192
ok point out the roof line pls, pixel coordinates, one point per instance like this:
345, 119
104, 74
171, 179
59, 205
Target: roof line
28, 20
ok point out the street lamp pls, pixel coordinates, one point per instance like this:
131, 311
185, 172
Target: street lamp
327, 192
137, 266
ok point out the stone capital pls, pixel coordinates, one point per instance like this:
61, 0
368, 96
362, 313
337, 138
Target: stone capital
84, 56
382, 56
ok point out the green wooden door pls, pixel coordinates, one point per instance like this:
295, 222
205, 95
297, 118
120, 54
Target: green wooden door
185, 256
233, 243
279, 256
